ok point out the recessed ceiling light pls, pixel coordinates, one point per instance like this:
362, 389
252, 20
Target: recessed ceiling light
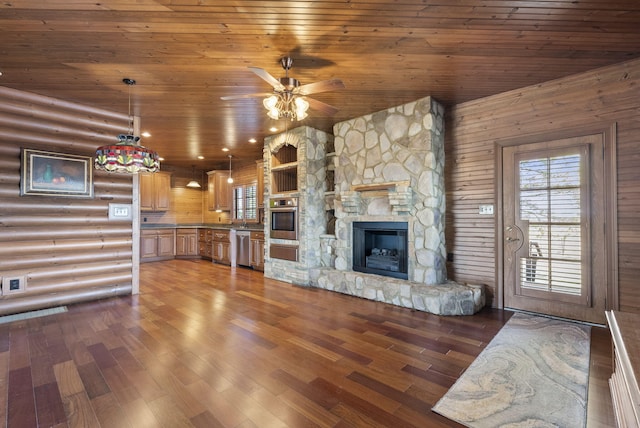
161, 159
273, 129
224, 149
200, 157
146, 134
252, 140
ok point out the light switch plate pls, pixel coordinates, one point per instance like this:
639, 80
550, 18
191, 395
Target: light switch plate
120, 212
485, 209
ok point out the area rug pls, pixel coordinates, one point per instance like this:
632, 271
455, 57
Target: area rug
534, 373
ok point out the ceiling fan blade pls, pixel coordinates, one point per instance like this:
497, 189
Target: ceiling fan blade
264, 75
324, 86
237, 97
321, 107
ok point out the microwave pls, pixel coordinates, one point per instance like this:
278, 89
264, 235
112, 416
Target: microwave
283, 214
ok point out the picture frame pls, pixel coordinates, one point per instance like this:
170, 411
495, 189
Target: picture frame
55, 174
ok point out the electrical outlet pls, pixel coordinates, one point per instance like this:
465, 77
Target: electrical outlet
13, 284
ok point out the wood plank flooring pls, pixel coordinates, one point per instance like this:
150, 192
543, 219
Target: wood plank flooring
209, 346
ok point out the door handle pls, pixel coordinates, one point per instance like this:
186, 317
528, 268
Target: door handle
510, 239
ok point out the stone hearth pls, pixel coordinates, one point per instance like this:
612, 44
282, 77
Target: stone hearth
449, 298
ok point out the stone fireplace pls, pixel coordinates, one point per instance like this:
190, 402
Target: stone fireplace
389, 168
380, 247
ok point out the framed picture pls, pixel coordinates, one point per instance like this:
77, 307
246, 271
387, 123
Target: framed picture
55, 174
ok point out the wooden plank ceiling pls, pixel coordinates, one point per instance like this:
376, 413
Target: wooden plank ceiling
186, 54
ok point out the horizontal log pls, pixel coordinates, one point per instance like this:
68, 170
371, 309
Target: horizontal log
54, 273
87, 232
45, 260
58, 285
14, 94
51, 142
30, 303
41, 113
20, 125
64, 246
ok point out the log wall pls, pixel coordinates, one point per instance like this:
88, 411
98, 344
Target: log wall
66, 248
603, 97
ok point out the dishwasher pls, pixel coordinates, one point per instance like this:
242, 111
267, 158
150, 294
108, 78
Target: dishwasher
243, 248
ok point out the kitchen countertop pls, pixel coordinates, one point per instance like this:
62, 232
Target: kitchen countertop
250, 227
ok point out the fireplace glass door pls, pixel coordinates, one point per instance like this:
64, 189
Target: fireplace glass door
380, 248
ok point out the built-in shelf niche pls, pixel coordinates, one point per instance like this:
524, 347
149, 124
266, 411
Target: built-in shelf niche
284, 170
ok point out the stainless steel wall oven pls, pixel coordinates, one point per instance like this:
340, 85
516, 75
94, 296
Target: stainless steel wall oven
284, 218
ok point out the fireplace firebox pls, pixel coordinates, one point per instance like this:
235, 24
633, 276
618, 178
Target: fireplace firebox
380, 247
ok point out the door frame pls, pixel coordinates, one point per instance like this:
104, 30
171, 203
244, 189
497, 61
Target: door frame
609, 139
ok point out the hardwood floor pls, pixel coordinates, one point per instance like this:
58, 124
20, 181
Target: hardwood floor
208, 346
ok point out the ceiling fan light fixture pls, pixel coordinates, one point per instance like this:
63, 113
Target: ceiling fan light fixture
270, 102
126, 156
286, 106
302, 106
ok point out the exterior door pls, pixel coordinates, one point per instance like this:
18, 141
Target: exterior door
553, 214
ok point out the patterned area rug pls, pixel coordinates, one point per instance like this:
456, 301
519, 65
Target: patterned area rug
534, 373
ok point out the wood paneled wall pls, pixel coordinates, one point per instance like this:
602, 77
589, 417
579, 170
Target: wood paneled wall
66, 247
602, 98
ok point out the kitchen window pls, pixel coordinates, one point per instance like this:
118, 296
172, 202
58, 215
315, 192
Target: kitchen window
245, 203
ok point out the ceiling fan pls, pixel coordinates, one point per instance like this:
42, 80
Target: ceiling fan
289, 99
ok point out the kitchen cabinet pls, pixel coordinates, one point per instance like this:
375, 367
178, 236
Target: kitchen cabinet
257, 250
219, 191
155, 191
157, 244
205, 244
221, 247
186, 242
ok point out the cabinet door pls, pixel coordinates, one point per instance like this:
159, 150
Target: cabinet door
211, 191
257, 254
223, 191
226, 253
162, 191
148, 246
192, 245
165, 245
181, 245
217, 254
147, 192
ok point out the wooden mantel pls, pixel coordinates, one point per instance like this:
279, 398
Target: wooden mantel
390, 186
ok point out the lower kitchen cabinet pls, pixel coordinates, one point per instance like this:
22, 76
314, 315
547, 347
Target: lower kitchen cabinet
157, 244
257, 250
221, 247
205, 244
186, 242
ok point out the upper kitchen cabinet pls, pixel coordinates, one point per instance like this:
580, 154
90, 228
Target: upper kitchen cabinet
155, 190
219, 197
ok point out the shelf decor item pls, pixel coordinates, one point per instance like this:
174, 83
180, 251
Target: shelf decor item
55, 174
127, 156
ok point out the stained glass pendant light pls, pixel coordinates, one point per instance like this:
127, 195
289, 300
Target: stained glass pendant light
127, 156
